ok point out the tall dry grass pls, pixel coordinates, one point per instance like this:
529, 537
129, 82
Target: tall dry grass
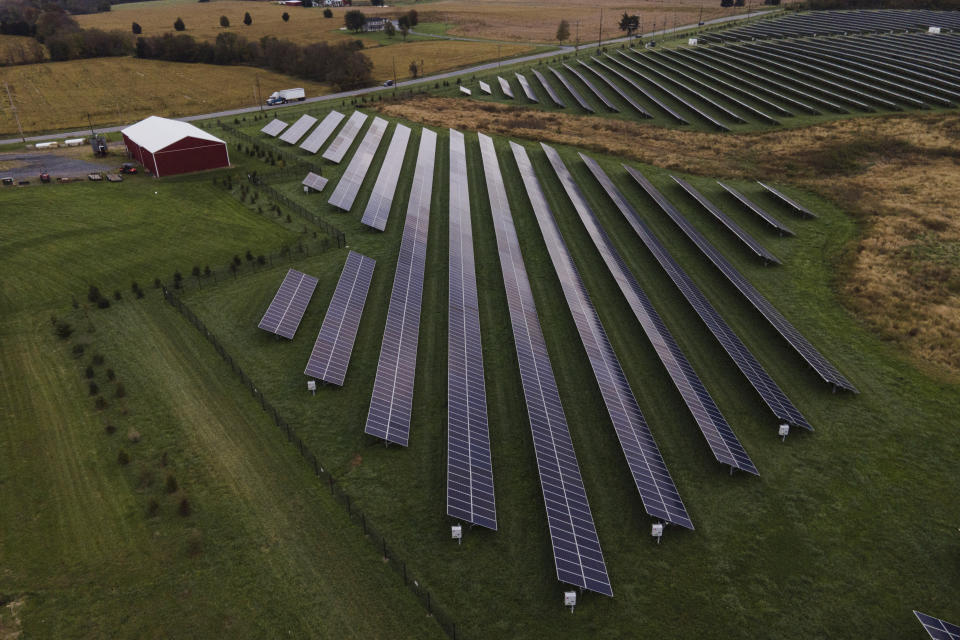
899, 175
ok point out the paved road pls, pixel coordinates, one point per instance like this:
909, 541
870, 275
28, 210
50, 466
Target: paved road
406, 83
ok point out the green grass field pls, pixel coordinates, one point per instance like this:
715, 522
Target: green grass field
846, 530
820, 523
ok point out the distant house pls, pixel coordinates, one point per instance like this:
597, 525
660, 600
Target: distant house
375, 24
336, 3
167, 147
291, 3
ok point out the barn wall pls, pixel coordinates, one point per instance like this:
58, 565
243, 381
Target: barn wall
191, 154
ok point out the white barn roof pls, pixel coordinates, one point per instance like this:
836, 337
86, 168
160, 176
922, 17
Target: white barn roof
155, 133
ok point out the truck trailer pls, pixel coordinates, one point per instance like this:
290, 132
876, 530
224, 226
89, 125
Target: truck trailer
286, 95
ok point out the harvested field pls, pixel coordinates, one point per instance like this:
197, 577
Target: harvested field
437, 56
898, 174
59, 95
536, 21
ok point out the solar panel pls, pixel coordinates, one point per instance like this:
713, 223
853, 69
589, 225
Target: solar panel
800, 344
723, 443
352, 179
657, 489
620, 92
505, 87
298, 128
641, 62
936, 628
331, 352
572, 91
381, 199
576, 548
465, 91
341, 144
318, 136
314, 181
485, 88
593, 89
658, 61
274, 127
391, 402
549, 89
527, 91
796, 206
749, 204
758, 249
761, 381
289, 304
469, 465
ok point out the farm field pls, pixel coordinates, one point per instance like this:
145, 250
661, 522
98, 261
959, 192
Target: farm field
536, 21
146, 489
60, 95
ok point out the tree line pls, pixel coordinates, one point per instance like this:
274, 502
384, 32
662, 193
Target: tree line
341, 64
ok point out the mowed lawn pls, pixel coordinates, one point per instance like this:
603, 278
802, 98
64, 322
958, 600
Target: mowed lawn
265, 551
811, 548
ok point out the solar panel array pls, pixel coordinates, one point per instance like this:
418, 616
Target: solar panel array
331, 351
572, 91
723, 443
936, 628
759, 211
314, 181
298, 128
839, 23
286, 310
527, 91
599, 95
274, 127
341, 144
802, 346
657, 489
676, 97
620, 92
573, 535
549, 89
318, 136
391, 403
485, 88
381, 199
465, 91
470, 494
796, 206
352, 179
758, 249
505, 87
751, 368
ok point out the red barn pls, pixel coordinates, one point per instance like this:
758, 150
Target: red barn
168, 147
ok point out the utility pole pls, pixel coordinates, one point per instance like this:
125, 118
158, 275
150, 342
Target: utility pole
90, 122
16, 115
394, 74
576, 47
259, 97
498, 57
600, 34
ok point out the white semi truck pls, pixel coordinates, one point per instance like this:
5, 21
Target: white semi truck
286, 95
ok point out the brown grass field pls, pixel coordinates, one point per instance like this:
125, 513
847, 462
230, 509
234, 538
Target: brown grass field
536, 21
899, 175
59, 95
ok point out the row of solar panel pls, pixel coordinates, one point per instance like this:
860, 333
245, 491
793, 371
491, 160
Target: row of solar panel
839, 23
470, 481
764, 81
331, 352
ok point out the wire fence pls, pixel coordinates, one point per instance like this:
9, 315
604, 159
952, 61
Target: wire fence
289, 160
278, 198
249, 263
357, 516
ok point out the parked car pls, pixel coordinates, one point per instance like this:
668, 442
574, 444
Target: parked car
388, 83
44, 176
